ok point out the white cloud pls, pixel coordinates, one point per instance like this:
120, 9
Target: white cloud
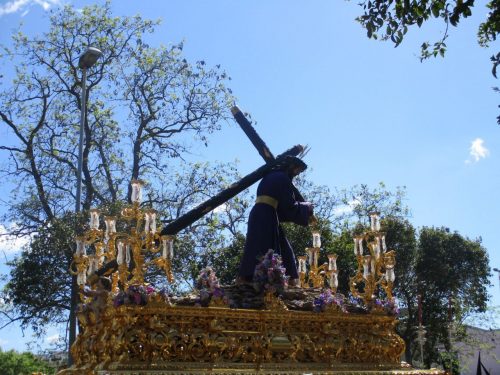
11, 244
15, 6
53, 339
347, 208
477, 151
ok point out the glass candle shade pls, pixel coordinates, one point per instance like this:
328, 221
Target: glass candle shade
312, 253
136, 196
110, 223
302, 264
358, 246
390, 274
375, 221
384, 246
81, 278
332, 262
316, 239
146, 222
167, 245
94, 219
334, 280
152, 222
81, 249
120, 252
376, 248
366, 266
128, 254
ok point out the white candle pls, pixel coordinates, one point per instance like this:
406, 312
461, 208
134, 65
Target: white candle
334, 281
81, 249
384, 246
152, 222
110, 223
136, 196
81, 279
390, 275
360, 246
128, 255
119, 256
316, 239
302, 265
332, 262
146, 222
366, 266
94, 219
374, 221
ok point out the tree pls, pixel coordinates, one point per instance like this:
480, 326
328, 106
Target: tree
14, 363
452, 277
391, 20
144, 106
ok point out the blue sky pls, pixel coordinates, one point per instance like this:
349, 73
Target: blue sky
370, 112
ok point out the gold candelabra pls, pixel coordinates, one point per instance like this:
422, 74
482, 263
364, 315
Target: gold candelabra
375, 269
127, 248
317, 274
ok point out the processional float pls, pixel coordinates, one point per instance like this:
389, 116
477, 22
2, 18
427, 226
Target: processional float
128, 327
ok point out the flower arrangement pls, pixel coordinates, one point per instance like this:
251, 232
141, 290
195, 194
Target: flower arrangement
328, 299
209, 287
137, 295
388, 306
269, 273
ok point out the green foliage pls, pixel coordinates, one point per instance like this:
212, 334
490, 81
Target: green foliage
452, 277
14, 363
146, 106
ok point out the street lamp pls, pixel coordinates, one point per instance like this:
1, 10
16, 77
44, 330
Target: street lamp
497, 271
87, 60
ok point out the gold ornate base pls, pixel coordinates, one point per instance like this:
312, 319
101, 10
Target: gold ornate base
163, 339
266, 369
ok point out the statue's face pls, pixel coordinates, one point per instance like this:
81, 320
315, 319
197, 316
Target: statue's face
295, 171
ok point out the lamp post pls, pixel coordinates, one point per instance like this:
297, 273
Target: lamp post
497, 271
86, 61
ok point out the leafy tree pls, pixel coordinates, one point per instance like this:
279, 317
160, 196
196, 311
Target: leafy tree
146, 106
452, 276
14, 363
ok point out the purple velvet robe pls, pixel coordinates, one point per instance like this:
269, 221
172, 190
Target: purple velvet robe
264, 231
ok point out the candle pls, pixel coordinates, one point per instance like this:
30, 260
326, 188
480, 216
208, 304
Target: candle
384, 246
128, 255
81, 249
81, 279
119, 256
167, 244
316, 239
366, 266
302, 264
376, 248
334, 281
136, 196
332, 262
152, 222
146, 221
390, 274
94, 219
110, 223
374, 221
